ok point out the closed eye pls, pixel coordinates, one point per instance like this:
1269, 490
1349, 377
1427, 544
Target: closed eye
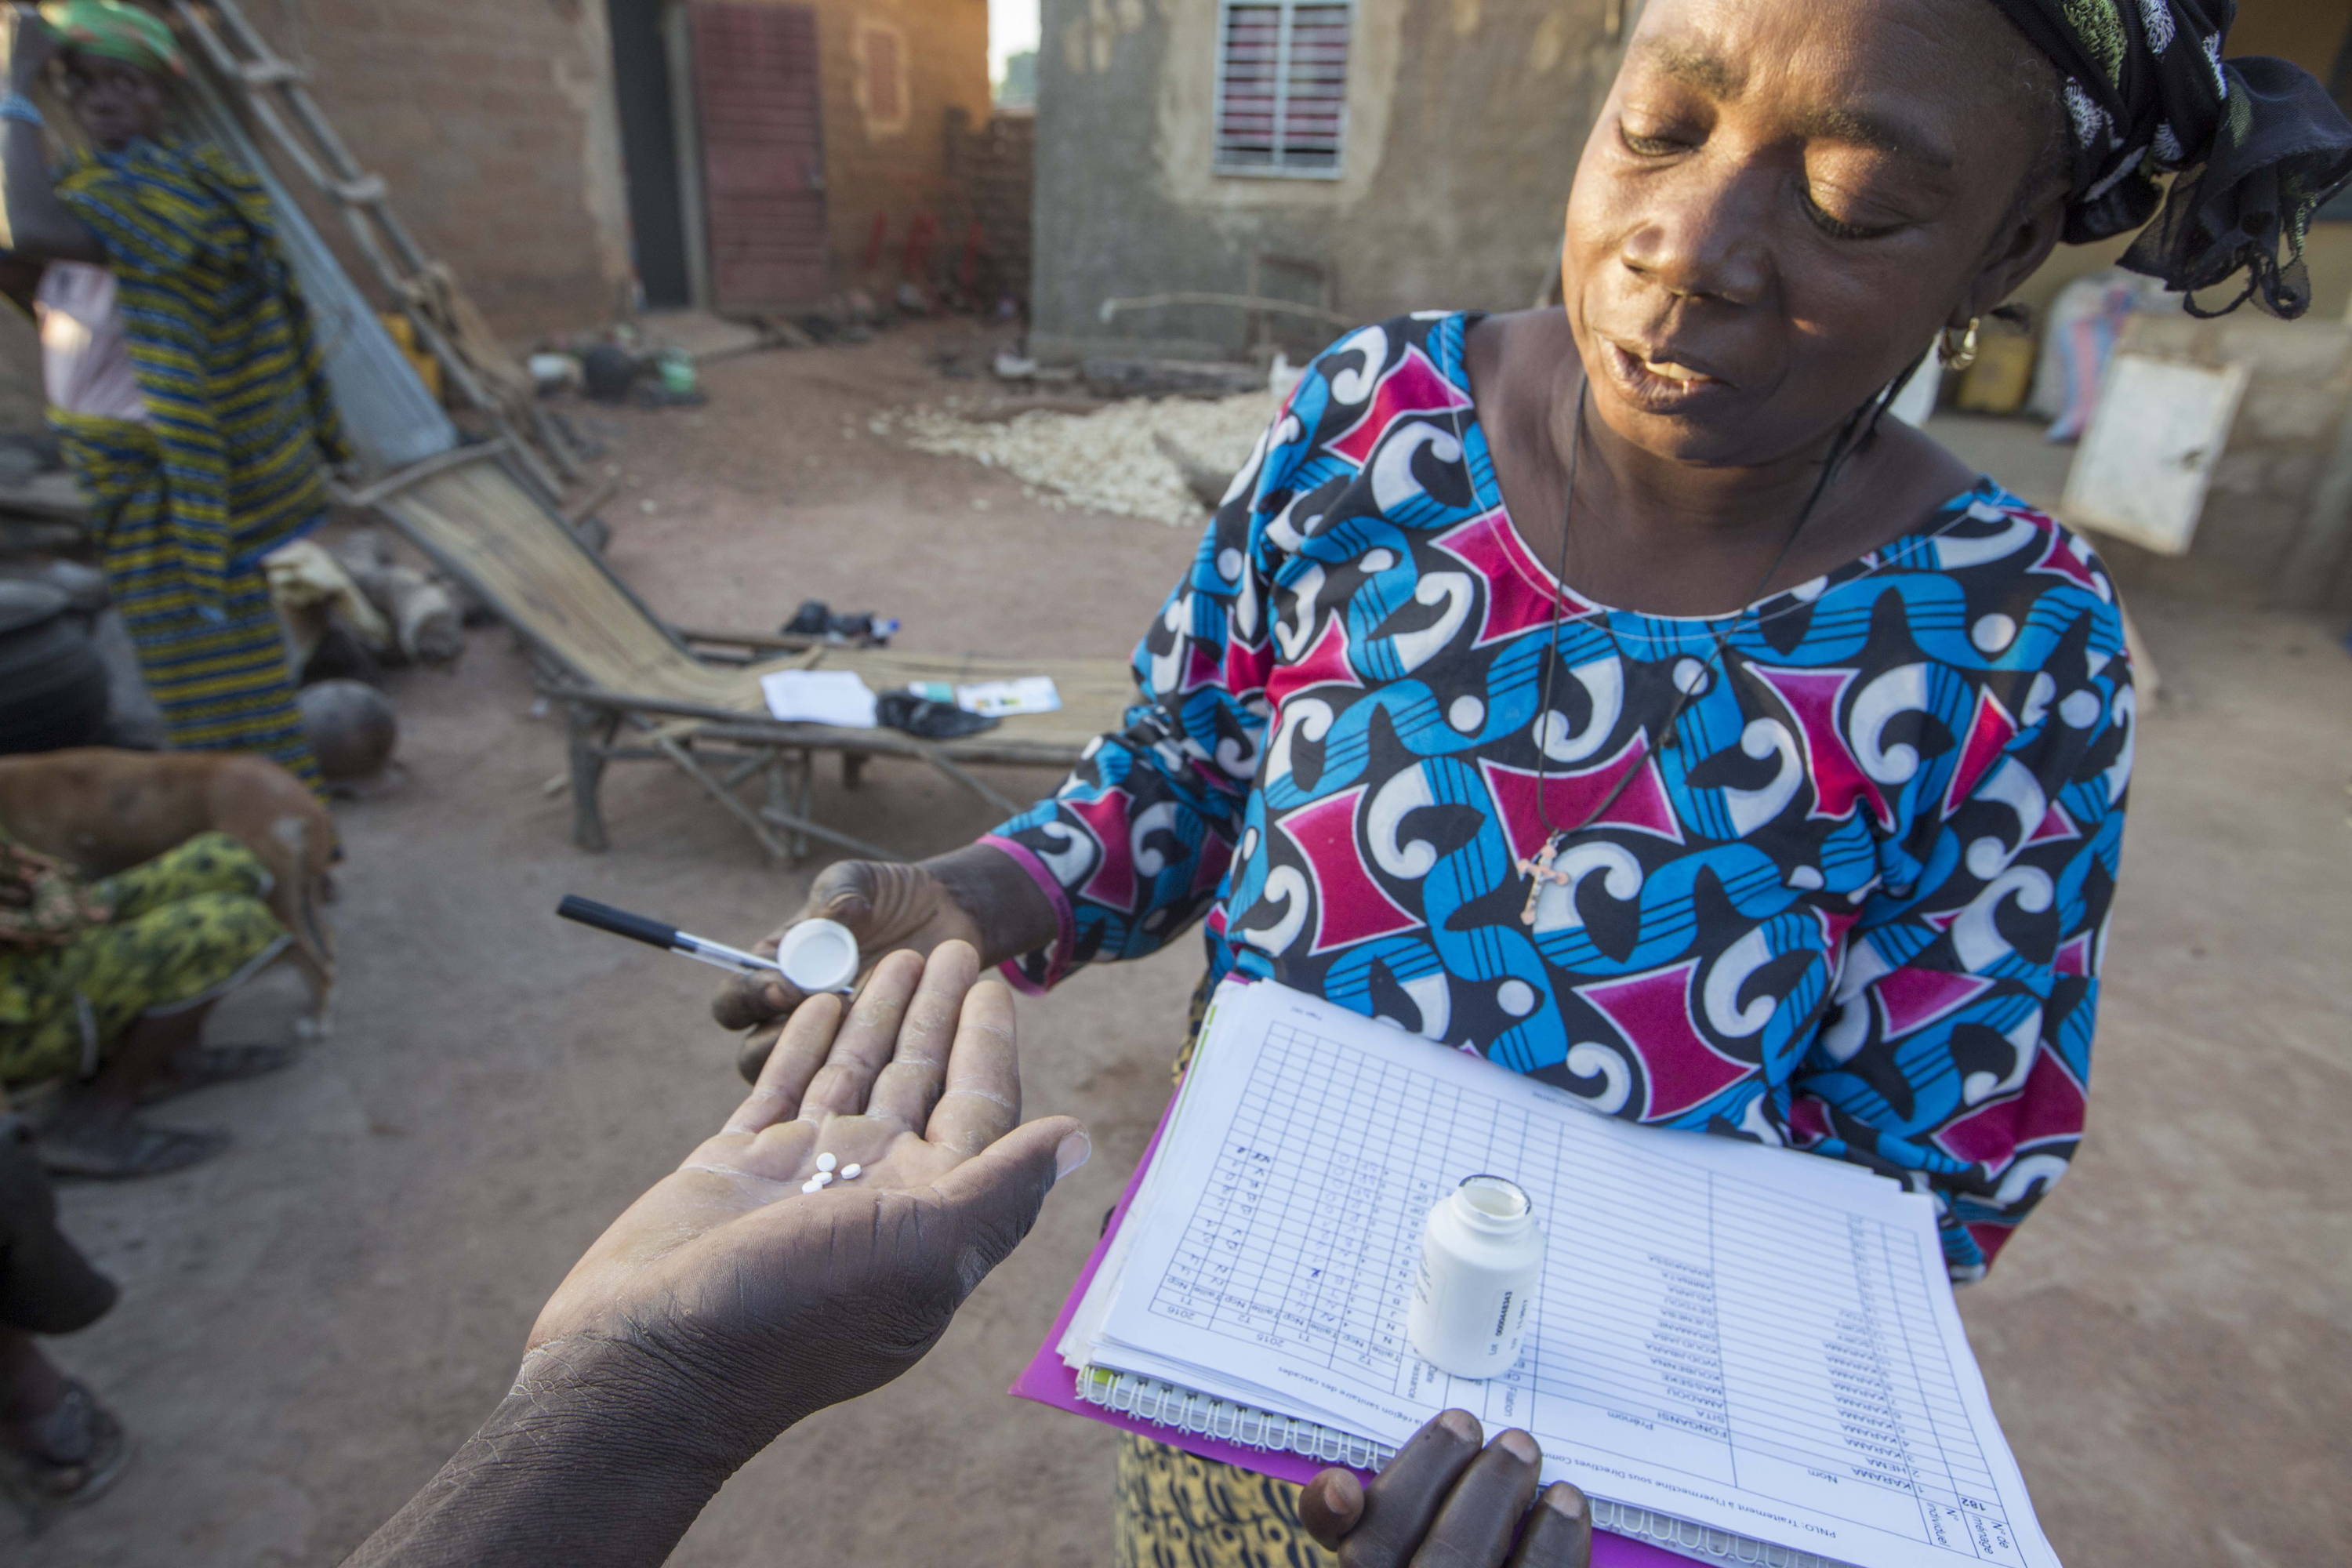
1643, 146
1837, 227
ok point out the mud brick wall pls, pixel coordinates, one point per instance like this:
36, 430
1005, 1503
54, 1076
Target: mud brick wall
885, 153
498, 130
495, 129
2268, 533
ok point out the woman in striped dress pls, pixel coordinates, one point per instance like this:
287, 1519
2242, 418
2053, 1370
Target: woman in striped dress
183, 382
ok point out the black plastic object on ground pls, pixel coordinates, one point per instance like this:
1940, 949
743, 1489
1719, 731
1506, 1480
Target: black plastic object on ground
52, 681
929, 721
815, 618
608, 371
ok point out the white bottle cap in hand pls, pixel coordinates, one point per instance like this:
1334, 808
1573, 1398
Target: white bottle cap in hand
819, 955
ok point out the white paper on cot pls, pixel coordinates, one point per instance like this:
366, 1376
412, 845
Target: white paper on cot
835, 696
1746, 1338
1003, 699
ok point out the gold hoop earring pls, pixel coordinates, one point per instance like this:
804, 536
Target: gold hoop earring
1963, 357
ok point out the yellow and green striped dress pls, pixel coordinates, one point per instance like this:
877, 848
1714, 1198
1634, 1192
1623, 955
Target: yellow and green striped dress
230, 462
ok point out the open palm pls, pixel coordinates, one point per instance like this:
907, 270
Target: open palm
785, 1299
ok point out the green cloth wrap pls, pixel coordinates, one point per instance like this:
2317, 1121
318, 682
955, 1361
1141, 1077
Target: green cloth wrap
187, 926
115, 31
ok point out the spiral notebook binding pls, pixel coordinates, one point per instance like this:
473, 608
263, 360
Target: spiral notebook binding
1183, 1410
1162, 1404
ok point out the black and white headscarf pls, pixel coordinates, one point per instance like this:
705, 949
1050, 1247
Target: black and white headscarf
2256, 144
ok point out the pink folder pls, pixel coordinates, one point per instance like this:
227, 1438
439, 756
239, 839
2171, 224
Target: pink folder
1048, 1381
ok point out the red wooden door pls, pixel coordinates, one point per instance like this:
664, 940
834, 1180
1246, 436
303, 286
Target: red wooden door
755, 82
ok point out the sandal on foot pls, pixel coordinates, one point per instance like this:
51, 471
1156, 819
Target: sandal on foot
123, 1152
206, 1066
70, 1456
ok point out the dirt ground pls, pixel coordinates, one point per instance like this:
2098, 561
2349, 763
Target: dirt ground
311, 1324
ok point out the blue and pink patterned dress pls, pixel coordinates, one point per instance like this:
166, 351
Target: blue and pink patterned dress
1853, 903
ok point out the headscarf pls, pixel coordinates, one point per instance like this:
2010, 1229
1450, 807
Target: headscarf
116, 31
2256, 144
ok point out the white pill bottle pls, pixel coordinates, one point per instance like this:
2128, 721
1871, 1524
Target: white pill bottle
1482, 1258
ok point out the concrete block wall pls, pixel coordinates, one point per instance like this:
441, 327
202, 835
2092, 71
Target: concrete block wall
2270, 532
1464, 123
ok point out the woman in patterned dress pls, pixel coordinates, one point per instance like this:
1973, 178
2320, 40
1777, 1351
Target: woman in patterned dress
182, 380
1610, 692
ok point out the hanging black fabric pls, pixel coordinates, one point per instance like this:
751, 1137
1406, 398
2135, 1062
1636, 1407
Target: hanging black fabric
2255, 145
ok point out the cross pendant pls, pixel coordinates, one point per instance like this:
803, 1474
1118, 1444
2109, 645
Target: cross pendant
1541, 867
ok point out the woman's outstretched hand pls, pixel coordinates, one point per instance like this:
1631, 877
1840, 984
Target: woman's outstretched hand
731, 1300
779, 1300
975, 895
1445, 1501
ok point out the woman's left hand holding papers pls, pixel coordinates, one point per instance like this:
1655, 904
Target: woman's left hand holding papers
1450, 1500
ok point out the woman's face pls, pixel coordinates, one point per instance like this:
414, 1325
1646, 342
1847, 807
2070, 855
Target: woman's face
116, 103
1782, 202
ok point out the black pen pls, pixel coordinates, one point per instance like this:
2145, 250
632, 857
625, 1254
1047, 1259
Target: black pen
668, 937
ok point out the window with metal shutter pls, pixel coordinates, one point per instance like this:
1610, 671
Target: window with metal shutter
1282, 86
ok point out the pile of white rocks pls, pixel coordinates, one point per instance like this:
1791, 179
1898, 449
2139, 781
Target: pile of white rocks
1128, 457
